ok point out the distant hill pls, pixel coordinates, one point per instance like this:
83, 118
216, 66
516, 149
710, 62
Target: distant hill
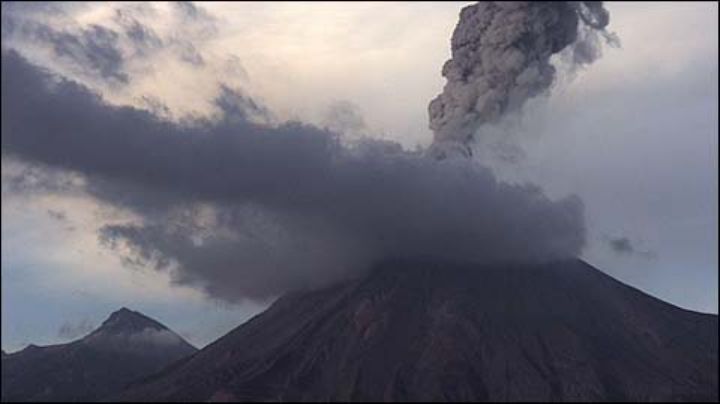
127, 346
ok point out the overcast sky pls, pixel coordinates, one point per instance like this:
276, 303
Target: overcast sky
634, 135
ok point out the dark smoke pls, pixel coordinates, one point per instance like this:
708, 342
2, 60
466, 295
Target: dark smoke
624, 246
501, 58
242, 209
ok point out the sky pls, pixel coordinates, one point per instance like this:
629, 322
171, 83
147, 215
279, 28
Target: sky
633, 135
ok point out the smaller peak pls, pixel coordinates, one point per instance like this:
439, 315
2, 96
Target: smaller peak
125, 321
129, 331
123, 312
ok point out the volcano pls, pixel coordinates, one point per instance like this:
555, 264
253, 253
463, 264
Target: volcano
423, 330
127, 346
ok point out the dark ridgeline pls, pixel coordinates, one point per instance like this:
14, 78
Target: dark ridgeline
416, 330
127, 346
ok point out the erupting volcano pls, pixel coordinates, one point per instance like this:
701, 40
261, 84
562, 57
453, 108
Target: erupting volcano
401, 275
417, 330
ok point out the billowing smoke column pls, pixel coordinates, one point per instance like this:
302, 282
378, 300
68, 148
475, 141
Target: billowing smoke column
501, 58
242, 208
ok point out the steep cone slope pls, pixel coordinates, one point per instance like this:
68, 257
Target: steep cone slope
128, 345
416, 330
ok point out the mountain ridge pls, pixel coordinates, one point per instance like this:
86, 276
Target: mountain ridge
128, 345
125, 319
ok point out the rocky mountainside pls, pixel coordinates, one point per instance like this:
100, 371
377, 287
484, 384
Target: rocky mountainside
127, 346
421, 330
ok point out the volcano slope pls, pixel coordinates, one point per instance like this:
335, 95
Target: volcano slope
424, 330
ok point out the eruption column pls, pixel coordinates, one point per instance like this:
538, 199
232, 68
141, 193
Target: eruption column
501, 58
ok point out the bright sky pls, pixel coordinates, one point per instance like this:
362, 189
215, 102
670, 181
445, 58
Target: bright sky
635, 135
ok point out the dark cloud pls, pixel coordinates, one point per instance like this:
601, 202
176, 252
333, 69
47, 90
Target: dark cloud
143, 38
242, 209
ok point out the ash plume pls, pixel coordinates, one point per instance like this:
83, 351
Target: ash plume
241, 206
501, 58
242, 209
71, 330
624, 246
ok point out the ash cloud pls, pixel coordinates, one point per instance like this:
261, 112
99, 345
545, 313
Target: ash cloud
345, 118
241, 209
143, 38
96, 48
236, 106
625, 246
501, 58
621, 245
73, 330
